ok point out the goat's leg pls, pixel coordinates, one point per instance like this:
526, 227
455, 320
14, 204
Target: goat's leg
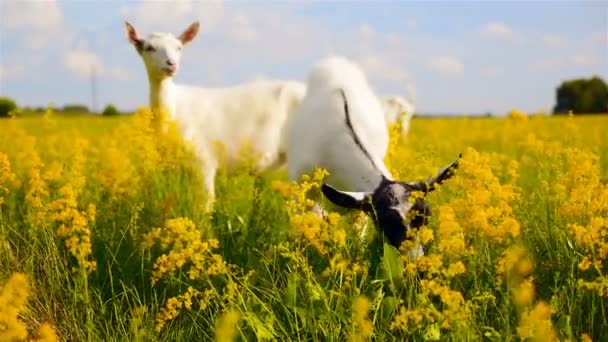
209, 178
209, 170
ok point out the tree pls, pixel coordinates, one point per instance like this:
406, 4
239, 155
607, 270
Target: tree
110, 110
75, 108
7, 105
582, 96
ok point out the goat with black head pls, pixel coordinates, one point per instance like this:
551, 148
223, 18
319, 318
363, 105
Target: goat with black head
340, 126
390, 204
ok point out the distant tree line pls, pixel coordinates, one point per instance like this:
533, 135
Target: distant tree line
8, 107
582, 96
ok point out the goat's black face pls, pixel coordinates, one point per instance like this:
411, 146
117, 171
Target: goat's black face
395, 211
391, 205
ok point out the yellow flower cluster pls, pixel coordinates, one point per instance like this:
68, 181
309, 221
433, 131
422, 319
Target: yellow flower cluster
453, 312
297, 194
408, 318
315, 230
345, 269
226, 327
535, 318
6, 176
535, 324
481, 211
363, 328
174, 305
583, 203
37, 194
395, 151
319, 232
74, 227
184, 245
13, 299
517, 115
137, 151
486, 208
73, 223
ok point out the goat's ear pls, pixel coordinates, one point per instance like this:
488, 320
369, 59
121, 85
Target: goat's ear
345, 199
132, 36
187, 36
444, 174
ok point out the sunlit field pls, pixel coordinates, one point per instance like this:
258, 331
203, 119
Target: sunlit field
104, 237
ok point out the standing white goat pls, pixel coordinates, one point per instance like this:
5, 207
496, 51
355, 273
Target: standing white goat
340, 126
254, 112
399, 109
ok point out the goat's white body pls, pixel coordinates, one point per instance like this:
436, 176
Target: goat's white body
319, 135
253, 113
218, 121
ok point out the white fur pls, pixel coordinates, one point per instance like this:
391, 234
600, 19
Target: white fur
319, 137
254, 113
398, 109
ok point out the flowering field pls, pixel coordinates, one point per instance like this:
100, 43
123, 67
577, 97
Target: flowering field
103, 236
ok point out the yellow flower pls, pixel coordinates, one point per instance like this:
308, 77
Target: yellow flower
517, 115
363, 328
226, 327
46, 333
425, 235
535, 324
523, 295
13, 298
6, 176
456, 269
584, 264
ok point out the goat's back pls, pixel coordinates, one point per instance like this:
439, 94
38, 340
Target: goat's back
320, 134
253, 114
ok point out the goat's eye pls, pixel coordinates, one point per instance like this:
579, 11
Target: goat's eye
179, 48
150, 48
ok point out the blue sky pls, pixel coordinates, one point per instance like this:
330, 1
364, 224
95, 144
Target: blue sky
461, 57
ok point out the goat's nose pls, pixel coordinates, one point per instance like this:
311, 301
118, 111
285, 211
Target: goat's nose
170, 62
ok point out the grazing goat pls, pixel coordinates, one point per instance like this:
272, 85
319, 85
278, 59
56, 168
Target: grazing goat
254, 112
340, 126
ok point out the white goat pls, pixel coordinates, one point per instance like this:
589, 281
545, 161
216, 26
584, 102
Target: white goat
340, 126
397, 108
252, 113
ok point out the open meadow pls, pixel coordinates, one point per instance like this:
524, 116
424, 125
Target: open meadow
104, 237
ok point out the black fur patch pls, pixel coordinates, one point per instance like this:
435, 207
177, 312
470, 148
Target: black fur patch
349, 125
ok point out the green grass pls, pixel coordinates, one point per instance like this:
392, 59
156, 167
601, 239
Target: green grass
278, 283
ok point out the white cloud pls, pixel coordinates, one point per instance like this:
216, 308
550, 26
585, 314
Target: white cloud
82, 63
32, 15
154, 16
491, 71
242, 29
583, 59
8, 72
560, 62
501, 31
411, 23
498, 30
366, 31
554, 41
446, 65
40, 22
379, 69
